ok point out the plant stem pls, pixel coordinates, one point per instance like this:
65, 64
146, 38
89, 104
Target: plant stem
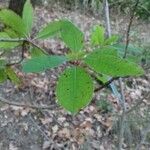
129, 28
120, 97
13, 40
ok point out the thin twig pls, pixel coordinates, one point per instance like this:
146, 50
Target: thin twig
144, 135
123, 117
138, 103
107, 18
129, 28
37, 46
3, 100
39, 128
108, 34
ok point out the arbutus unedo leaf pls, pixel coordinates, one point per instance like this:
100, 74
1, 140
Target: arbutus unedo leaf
14, 21
28, 16
41, 63
72, 36
50, 30
74, 89
112, 65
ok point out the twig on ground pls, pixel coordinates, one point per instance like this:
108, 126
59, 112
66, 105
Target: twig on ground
3, 100
39, 128
143, 138
138, 103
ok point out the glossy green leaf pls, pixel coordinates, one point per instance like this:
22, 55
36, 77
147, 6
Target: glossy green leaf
3, 76
12, 75
72, 36
7, 45
97, 36
13, 20
112, 65
50, 30
28, 15
74, 89
41, 63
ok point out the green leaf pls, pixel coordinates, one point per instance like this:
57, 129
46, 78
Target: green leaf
112, 40
41, 63
36, 52
12, 75
97, 36
14, 21
28, 15
74, 89
3, 76
50, 30
72, 36
7, 45
11, 33
112, 65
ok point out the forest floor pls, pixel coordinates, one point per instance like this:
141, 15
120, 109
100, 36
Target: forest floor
25, 128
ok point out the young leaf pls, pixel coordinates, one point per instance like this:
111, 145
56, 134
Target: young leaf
72, 36
7, 45
74, 89
76, 55
14, 21
112, 65
97, 36
3, 76
12, 75
112, 40
28, 15
50, 30
41, 63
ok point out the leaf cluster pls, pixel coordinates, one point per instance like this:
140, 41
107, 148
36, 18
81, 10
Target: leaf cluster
75, 86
